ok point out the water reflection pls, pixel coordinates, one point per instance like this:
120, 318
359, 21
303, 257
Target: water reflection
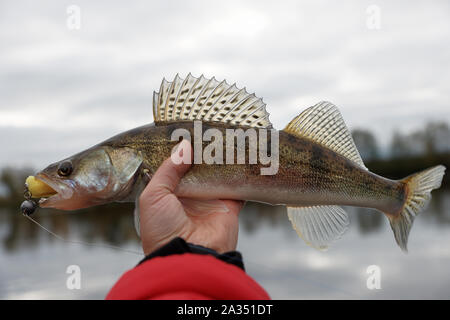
273, 253
113, 223
109, 224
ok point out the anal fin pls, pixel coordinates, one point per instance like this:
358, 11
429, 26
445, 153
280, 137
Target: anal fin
319, 226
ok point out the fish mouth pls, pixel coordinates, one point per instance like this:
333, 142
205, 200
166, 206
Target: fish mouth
63, 191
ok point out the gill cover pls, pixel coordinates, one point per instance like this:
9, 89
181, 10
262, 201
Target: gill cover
125, 163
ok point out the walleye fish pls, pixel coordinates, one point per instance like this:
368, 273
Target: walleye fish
319, 170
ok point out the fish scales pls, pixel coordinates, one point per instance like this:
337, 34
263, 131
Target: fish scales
309, 174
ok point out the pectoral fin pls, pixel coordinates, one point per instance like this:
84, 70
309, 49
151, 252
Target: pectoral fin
140, 187
319, 226
137, 219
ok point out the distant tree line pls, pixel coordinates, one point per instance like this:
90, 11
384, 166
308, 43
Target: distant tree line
407, 153
113, 223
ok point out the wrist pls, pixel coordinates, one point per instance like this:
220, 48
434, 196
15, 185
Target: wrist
180, 246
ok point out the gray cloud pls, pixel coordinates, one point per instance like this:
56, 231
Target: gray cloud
83, 85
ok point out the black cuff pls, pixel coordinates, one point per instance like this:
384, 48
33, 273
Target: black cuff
179, 246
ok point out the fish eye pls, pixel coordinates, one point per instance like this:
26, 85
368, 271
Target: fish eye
65, 168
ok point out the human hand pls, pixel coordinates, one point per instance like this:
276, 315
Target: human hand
164, 216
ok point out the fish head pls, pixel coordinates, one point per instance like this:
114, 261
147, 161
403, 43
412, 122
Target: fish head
92, 177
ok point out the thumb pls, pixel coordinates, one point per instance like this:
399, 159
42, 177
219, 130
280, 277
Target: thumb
169, 174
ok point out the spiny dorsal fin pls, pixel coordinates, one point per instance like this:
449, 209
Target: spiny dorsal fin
208, 100
319, 226
323, 123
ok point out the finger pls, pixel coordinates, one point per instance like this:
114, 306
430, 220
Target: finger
197, 207
169, 174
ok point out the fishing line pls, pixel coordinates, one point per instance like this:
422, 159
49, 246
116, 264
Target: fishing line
82, 242
297, 277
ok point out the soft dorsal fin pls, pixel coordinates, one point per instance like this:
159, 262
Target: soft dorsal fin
208, 100
323, 123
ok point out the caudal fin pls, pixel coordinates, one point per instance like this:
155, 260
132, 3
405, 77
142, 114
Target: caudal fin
419, 186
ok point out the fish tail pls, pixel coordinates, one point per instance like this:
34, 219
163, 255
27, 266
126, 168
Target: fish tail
419, 187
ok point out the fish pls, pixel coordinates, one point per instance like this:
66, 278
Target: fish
319, 168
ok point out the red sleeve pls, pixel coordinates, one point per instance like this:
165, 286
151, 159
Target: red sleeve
186, 276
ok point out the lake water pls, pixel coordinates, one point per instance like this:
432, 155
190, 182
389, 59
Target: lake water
33, 263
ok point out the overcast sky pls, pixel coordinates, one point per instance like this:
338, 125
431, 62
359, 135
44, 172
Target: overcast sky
63, 90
